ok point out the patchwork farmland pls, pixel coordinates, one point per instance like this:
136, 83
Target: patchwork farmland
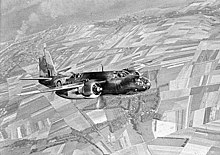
179, 51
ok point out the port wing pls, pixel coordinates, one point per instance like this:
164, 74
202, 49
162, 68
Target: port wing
38, 78
65, 87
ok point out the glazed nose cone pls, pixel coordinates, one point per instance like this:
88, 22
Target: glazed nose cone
148, 85
146, 82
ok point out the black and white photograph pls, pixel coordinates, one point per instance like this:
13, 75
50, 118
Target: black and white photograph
110, 77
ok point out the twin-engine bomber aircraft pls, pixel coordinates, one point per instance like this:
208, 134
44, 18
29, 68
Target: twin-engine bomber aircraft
87, 85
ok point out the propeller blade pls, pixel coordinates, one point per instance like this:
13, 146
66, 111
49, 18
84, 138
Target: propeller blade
101, 102
51, 96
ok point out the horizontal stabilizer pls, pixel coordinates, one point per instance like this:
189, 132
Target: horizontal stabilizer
38, 78
65, 87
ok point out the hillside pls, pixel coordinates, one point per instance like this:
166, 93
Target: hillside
21, 18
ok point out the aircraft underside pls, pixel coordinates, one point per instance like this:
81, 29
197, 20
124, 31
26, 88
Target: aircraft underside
104, 89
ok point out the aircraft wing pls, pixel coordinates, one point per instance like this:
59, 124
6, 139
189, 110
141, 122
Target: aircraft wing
100, 82
65, 87
38, 78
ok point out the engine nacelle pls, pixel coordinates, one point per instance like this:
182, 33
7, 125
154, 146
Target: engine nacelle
91, 90
60, 81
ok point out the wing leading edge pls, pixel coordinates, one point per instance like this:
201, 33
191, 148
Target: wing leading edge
65, 87
38, 78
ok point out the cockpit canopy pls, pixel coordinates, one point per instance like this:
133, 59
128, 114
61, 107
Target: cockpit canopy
132, 71
125, 72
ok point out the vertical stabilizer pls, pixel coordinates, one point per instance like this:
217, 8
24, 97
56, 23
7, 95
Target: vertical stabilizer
46, 66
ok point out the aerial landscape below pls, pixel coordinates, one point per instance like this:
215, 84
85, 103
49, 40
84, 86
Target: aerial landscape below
173, 45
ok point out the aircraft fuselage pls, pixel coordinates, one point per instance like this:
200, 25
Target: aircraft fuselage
110, 83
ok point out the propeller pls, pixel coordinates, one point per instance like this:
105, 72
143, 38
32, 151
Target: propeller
51, 96
101, 102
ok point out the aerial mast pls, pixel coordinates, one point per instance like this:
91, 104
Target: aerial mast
102, 68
